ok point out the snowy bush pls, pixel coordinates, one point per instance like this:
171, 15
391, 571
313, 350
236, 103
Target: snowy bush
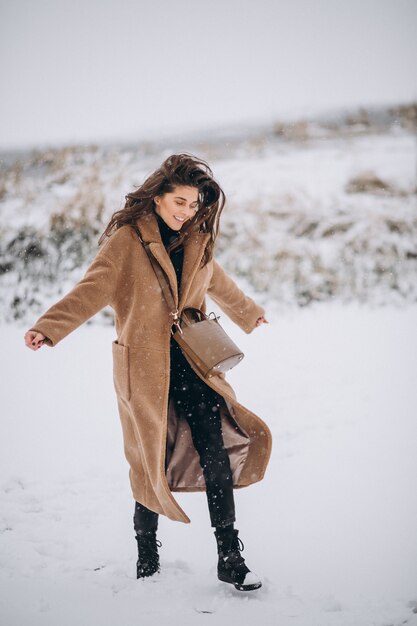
302, 256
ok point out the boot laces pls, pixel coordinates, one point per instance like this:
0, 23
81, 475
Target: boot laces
234, 558
239, 545
148, 549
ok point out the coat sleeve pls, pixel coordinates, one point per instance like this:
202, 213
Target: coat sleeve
91, 294
240, 308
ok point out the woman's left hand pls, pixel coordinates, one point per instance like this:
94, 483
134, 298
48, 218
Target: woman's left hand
261, 320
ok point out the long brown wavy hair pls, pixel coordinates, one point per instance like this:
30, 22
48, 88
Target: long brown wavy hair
177, 170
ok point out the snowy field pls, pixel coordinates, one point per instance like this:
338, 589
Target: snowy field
332, 529
308, 231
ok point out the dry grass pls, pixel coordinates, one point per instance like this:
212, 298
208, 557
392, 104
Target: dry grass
369, 182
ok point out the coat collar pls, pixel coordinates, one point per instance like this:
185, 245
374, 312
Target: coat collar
194, 247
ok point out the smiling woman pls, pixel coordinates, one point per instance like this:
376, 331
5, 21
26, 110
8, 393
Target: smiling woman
177, 207
183, 186
183, 431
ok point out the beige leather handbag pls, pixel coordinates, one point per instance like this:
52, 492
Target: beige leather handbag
205, 342
200, 336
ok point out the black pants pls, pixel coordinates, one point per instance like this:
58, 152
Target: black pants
199, 405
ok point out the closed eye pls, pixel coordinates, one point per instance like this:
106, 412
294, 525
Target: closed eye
193, 207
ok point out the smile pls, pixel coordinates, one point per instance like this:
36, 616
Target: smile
179, 219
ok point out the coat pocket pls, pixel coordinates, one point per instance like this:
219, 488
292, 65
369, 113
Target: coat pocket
121, 374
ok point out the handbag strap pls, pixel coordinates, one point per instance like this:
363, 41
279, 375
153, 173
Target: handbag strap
162, 279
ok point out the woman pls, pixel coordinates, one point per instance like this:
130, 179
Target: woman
182, 432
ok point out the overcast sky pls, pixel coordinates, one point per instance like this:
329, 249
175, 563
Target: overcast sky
89, 70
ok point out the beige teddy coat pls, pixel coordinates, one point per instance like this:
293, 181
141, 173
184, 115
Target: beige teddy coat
157, 443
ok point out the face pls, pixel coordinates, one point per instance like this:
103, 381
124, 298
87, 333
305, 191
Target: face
178, 206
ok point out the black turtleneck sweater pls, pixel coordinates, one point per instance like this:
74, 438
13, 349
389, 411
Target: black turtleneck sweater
168, 235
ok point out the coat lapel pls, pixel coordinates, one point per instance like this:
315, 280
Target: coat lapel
193, 252
148, 227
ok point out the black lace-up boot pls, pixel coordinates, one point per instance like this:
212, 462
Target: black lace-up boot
231, 567
148, 557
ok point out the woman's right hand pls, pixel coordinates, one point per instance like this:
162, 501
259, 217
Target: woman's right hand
34, 340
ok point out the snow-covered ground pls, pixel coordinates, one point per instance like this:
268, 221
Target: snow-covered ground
332, 529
